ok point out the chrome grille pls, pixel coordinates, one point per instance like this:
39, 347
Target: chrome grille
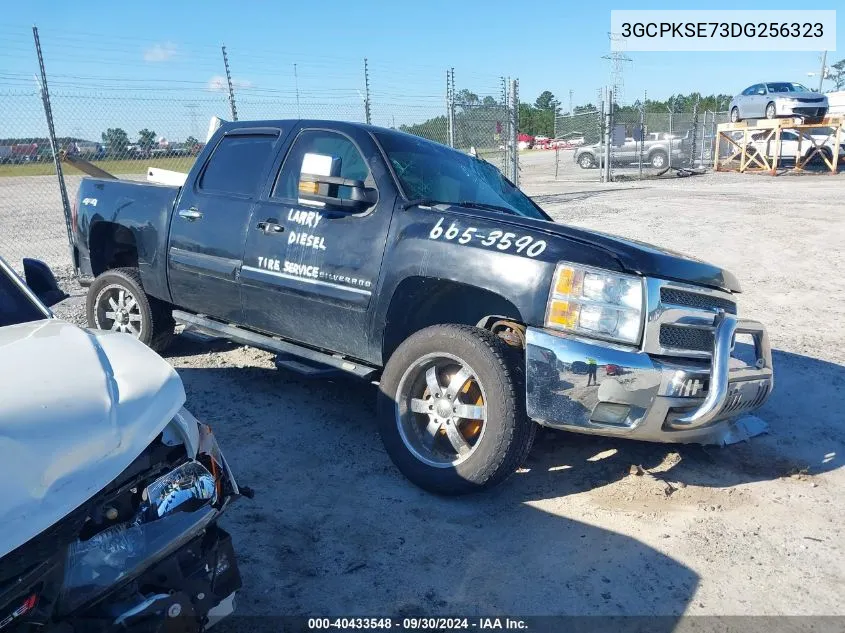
688, 338
680, 317
694, 300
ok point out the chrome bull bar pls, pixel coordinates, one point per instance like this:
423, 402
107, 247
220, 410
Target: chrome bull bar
727, 326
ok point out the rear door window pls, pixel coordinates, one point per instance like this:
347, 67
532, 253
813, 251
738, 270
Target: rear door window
237, 164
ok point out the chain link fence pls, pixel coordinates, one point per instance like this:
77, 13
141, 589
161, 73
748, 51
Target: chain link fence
31, 220
125, 125
577, 145
640, 143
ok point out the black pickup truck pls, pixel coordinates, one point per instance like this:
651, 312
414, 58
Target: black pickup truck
346, 247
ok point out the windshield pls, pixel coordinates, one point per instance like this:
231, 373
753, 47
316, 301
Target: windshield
15, 306
785, 86
432, 171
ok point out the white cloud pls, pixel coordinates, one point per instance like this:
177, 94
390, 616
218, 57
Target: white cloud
160, 52
218, 84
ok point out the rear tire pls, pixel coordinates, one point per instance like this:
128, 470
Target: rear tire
421, 443
116, 301
659, 159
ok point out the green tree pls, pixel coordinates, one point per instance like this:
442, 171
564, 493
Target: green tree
546, 101
837, 74
489, 101
116, 139
466, 97
191, 141
146, 138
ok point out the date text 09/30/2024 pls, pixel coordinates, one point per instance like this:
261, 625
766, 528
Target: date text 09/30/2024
417, 624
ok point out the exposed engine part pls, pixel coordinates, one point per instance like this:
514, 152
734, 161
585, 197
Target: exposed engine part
511, 332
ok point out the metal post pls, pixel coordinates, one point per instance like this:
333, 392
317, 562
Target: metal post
296, 85
366, 92
608, 131
514, 166
703, 136
54, 147
450, 109
232, 108
821, 74
450, 92
642, 137
694, 133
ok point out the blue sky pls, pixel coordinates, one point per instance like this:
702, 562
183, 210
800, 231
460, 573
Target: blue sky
170, 50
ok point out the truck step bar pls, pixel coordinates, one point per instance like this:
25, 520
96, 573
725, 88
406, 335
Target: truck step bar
315, 362
304, 367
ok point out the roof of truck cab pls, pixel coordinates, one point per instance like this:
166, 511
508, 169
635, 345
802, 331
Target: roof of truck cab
317, 123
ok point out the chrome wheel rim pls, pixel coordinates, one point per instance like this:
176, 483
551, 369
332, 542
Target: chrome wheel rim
658, 161
441, 410
116, 309
586, 162
734, 115
770, 111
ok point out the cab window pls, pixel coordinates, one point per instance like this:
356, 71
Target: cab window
15, 306
237, 164
348, 162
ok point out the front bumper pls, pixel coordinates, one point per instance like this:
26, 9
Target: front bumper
813, 110
608, 389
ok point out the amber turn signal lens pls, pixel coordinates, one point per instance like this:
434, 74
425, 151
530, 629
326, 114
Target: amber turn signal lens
307, 186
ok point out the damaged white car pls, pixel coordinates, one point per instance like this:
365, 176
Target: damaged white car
110, 490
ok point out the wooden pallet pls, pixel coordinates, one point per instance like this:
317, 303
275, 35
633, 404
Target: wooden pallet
753, 161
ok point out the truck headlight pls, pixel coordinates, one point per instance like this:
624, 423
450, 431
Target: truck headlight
596, 303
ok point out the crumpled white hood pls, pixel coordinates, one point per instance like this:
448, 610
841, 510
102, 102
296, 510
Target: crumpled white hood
76, 408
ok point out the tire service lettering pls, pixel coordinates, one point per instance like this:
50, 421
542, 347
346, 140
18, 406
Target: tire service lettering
500, 240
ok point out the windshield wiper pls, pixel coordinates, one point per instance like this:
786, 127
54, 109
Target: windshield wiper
467, 204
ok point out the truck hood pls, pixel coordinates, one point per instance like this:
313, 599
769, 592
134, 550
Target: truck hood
640, 257
76, 409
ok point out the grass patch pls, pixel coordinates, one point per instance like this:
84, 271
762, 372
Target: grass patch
176, 163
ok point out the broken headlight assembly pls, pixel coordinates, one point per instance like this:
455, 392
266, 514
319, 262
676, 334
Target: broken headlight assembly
173, 509
596, 303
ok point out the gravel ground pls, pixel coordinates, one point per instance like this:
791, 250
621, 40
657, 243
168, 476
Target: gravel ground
750, 529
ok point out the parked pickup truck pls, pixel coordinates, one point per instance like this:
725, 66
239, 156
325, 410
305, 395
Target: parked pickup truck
353, 248
655, 151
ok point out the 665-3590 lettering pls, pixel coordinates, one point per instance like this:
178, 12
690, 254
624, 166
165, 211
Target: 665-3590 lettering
500, 240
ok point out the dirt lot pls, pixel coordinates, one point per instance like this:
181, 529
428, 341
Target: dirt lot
754, 528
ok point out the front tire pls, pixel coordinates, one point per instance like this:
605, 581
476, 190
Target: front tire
116, 301
452, 410
585, 161
735, 115
771, 112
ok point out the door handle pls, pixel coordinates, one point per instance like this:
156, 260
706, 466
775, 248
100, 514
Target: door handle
190, 214
270, 227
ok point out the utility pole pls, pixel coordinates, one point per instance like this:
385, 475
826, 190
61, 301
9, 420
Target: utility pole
617, 60
570, 102
192, 112
54, 147
366, 92
232, 107
822, 72
296, 85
